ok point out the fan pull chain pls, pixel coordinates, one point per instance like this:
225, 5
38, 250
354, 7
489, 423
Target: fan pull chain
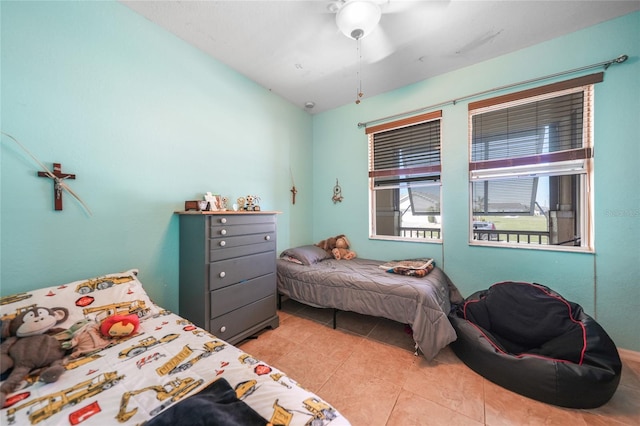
359, 93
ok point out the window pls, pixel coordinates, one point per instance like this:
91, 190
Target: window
531, 168
404, 178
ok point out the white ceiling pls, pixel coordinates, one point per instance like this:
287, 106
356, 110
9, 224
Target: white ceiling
294, 49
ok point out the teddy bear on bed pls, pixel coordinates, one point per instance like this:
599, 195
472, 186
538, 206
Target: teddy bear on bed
27, 347
337, 247
327, 244
341, 250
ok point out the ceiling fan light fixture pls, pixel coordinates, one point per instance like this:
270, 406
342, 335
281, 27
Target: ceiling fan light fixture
356, 19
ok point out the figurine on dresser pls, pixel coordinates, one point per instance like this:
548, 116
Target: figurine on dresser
248, 203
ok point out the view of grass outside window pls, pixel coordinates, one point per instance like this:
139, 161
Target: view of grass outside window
404, 176
530, 166
531, 228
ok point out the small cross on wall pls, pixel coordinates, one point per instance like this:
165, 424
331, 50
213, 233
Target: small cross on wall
57, 187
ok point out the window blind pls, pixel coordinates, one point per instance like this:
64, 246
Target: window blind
505, 197
529, 130
533, 127
406, 154
518, 138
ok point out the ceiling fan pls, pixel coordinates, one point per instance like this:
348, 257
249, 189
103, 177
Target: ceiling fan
386, 24
357, 19
375, 20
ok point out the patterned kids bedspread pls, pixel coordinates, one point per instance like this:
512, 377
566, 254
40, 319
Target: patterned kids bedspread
138, 378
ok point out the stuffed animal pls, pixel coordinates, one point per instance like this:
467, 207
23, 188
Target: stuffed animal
4, 330
86, 337
341, 250
28, 347
337, 247
120, 325
329, 244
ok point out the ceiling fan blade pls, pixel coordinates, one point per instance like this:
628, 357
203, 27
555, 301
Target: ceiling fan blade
401, 6
388, 6
376, 46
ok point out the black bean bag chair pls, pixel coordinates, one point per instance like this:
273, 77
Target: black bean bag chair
528, 339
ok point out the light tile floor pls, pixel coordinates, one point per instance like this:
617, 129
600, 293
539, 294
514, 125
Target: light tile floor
367, 370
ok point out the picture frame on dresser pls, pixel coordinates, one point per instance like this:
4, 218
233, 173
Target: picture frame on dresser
227, 272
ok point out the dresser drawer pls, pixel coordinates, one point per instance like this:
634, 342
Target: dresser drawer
218, 231
228, 247
218, 220
229, 252
234, 322
235, 296
231, 271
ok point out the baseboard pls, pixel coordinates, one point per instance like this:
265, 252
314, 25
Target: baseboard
629, 355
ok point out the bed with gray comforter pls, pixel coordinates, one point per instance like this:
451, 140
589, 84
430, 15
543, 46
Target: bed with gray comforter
360, 285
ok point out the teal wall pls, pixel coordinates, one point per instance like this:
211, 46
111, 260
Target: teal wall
607, 283
145, 122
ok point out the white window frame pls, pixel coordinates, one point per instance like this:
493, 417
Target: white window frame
581, 165
421, 183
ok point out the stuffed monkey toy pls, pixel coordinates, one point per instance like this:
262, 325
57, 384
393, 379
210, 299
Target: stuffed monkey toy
29, 348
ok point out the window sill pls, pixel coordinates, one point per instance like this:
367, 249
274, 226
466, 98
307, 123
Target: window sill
543, 247
405, 240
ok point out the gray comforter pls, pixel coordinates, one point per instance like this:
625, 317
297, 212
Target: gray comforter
359, 285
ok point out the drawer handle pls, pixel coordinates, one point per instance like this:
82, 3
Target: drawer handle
223, 243
222, 274
267, 237
223, 232
223, 329
223, 220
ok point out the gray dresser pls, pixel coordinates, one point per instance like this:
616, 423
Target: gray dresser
228, 272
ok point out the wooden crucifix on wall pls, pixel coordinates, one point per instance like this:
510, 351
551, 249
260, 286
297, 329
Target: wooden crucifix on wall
293, 189
57, 178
